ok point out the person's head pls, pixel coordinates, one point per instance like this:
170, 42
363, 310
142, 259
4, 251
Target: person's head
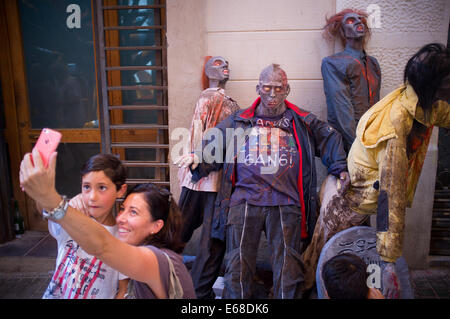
150, 216
345, 277
273, 87
428, 72
216, 71
347, 24
103, 179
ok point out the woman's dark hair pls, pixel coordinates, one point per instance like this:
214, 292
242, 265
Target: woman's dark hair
345, 277
425, 71
110, 165
162, 206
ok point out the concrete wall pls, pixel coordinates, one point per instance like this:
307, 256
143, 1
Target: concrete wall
186, 40
251, 34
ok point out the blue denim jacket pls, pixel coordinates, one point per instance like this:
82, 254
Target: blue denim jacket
351, 82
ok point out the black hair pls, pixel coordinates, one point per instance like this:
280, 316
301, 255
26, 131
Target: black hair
162, 206
345, 277
110, 165
425, 71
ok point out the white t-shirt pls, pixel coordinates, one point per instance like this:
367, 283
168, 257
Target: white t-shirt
79, 275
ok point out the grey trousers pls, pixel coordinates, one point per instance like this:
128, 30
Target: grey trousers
282, 227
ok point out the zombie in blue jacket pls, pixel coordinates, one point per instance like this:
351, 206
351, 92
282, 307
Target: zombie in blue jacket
351, 78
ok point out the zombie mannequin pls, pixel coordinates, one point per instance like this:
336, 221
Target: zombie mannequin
268, 184
386, 159
351, 78
197, 200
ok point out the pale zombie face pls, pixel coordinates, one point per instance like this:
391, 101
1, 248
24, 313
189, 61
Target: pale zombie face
272, 88
217, 69
352, 26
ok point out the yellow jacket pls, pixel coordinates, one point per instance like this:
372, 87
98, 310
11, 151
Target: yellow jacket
386, 158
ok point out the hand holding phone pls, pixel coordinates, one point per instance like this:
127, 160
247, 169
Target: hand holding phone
47, 143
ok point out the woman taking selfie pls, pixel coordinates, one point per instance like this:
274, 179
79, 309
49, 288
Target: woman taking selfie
149, 244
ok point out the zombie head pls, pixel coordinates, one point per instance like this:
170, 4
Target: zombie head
217, 72
352, 26
273, 87
348, 24
428, 72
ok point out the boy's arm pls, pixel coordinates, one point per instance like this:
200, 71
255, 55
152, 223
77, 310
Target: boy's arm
77, 203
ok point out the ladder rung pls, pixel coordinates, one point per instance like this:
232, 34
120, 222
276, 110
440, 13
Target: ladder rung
139, 145
144, 164
141, 47
133, 68
137, 87
138, 107
138, 126
147, 27
143, 180
154, 6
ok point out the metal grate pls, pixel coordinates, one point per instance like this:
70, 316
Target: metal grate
440, 227
117, 136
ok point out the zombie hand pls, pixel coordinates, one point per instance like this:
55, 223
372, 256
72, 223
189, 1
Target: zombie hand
344, 179
188, 160
391, 283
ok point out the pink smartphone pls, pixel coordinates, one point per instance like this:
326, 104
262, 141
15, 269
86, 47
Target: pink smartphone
47, 143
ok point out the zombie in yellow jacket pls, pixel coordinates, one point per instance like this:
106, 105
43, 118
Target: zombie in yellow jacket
386, 159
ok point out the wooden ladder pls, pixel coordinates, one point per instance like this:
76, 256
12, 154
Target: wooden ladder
117, 136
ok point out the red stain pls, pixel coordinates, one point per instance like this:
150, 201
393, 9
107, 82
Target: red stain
394, 279
370, 80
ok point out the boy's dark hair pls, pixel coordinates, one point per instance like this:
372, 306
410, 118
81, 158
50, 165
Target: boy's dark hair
345, 277
110, 165
425, 71
162, 206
